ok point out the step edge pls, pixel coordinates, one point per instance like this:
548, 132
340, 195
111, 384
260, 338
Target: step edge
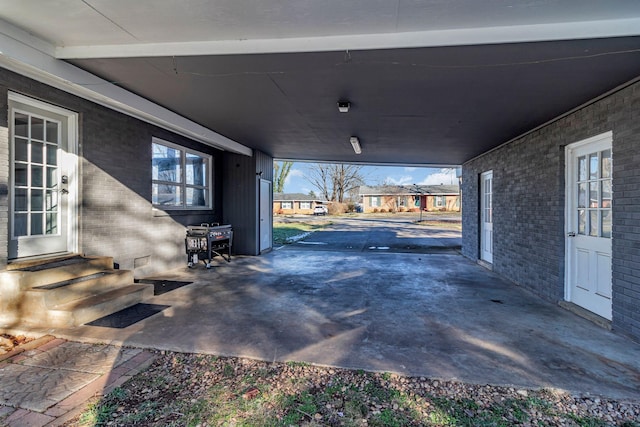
80, 279
79, 303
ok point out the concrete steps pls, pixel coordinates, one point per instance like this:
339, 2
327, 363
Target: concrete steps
85, 310
66, 292
29, 275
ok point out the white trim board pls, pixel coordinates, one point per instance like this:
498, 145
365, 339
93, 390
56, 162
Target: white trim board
415, 39
37, 64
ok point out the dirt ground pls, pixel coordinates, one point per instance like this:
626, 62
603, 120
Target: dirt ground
199, 390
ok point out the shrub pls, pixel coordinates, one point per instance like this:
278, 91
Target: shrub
402, 209
383, 210
336, 208
375, 210
351, 207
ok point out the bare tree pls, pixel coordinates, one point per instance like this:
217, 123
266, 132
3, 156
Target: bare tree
280, 174
334, 181
318, 176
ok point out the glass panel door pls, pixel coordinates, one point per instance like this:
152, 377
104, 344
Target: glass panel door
593, 189
486, 209
43, 167
589, 225
36, 176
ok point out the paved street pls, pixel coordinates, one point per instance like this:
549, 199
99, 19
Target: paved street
390, 234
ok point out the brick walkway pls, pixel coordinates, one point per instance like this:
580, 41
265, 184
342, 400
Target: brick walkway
48, 381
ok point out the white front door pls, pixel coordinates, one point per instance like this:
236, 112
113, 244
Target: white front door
266, 206
43, 173
486, 222
588, 224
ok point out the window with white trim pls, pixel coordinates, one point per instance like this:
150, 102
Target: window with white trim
305, 205
375, 201
439, 201
181, 178
286, 205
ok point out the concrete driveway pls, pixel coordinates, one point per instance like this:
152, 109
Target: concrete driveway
426, 314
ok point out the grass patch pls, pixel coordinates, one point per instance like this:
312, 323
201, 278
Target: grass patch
192, 390
283, 231
449, 225
97, 413
293, 364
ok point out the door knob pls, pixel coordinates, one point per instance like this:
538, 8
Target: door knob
571, 234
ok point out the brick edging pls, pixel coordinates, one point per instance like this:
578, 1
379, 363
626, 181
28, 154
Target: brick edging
31, 345
77, 402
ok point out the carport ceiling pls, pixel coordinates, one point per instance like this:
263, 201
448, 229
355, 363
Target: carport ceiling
430, 82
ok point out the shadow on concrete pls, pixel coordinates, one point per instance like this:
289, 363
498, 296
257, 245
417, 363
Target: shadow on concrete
424, 314
438, 316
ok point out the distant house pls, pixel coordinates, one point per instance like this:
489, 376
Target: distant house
294, 203
412, 198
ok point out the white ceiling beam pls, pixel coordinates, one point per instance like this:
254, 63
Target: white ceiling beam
22, 53
456, 37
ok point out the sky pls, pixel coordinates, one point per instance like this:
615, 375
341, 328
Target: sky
375, 175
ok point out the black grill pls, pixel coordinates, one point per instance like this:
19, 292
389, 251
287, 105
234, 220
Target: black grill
205, 241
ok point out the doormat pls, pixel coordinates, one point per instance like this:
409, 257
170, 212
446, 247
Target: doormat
128, 316
163, 286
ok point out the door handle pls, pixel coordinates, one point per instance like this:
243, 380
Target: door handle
64, 191
571, 234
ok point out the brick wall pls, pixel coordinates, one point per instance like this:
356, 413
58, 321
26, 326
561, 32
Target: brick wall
626, 211
294, 209
528, 197
115, 213
450, 203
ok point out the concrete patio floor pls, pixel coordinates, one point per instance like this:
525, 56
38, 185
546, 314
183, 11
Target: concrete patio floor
433, 315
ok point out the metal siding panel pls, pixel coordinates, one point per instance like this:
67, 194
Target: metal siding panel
240, 197
264, 165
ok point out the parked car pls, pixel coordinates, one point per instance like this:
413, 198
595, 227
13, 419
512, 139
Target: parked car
320, 210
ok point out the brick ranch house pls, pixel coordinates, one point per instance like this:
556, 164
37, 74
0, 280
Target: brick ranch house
294, 203
410, 198
539, 103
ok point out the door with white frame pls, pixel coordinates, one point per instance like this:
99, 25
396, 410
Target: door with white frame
266, 206
588, 224
43, 189
486, 214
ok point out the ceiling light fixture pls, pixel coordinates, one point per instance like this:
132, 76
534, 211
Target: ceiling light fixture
355, 143
343, 106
